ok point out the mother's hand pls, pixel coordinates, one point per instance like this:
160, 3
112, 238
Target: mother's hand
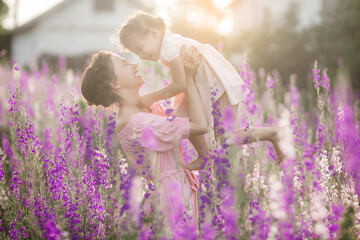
191, 59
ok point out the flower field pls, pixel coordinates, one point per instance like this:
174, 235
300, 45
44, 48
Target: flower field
63, 174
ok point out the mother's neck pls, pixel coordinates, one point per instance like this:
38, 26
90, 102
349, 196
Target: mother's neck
130, 103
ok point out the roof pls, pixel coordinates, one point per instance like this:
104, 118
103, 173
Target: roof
57, 7
43, 15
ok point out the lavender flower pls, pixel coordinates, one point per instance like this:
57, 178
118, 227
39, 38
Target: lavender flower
14, 185
261, 72
13, 102
325, 80
1, 167
3, 52
228, 118
62, 62
270, 83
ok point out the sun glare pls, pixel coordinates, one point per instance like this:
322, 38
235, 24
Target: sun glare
165, 3
198, 17
225, 26
222, 3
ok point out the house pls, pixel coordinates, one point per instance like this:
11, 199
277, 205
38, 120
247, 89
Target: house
73, 29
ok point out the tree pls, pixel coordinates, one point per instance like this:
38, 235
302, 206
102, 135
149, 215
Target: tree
4, 39
3, 11
338, 36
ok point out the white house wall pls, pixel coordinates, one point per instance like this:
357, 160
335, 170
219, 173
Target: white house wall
74, 30
23, 46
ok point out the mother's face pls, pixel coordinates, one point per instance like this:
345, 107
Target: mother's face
126, 73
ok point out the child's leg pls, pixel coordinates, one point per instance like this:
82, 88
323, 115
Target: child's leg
181, 110
244, 136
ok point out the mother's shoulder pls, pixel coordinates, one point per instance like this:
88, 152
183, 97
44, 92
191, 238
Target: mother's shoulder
123, 121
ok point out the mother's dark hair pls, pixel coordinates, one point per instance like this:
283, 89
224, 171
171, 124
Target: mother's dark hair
96, 81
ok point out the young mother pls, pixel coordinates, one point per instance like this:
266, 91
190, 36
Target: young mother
148, 132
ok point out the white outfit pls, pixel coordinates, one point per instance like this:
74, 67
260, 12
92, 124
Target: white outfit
214, 71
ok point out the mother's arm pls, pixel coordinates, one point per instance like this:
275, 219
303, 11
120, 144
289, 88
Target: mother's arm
191, 60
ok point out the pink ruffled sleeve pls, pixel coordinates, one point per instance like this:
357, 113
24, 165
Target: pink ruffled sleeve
160, 134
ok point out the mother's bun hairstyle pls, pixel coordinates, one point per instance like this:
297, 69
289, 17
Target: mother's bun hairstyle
140, 23
97, 79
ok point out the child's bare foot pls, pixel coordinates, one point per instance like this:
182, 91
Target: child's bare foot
280, 155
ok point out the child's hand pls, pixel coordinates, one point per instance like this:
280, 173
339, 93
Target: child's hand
146, 100
191, 59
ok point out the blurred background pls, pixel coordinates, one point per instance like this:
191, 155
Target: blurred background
283, 35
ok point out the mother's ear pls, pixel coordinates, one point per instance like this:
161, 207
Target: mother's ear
115, 86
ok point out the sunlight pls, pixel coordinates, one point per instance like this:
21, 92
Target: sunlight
165, 3
222, 3
225, 26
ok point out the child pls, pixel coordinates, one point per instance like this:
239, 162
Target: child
146, 36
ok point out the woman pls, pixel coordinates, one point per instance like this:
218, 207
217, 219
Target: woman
150, 139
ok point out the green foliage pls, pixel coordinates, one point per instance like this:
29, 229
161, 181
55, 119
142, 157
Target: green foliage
4, 38
285, 48
3, 9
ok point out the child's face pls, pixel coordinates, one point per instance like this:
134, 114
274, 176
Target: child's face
147, 46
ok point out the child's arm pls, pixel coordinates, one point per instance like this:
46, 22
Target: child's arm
177, 85
198, 123
196, 109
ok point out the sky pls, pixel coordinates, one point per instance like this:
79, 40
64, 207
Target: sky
27, 9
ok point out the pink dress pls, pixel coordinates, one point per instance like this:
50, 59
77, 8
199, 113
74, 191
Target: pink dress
214, 72
176, 186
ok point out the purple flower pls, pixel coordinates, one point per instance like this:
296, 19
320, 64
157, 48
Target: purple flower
51, 229
149, 139
14, 184
333, 225
110, 131
321, 134
165, 82
228, 118
325, 80
169, 111
13, 102
270, 83
309, 164
62, 62
259, 219
294, 92
3, 52
229, 214
2, 175
261, 73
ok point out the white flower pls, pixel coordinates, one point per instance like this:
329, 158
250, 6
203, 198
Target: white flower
275, 197
321, 230
318, 210
286, 142
136, 196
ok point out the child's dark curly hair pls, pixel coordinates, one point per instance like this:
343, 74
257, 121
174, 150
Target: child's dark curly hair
96, 81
